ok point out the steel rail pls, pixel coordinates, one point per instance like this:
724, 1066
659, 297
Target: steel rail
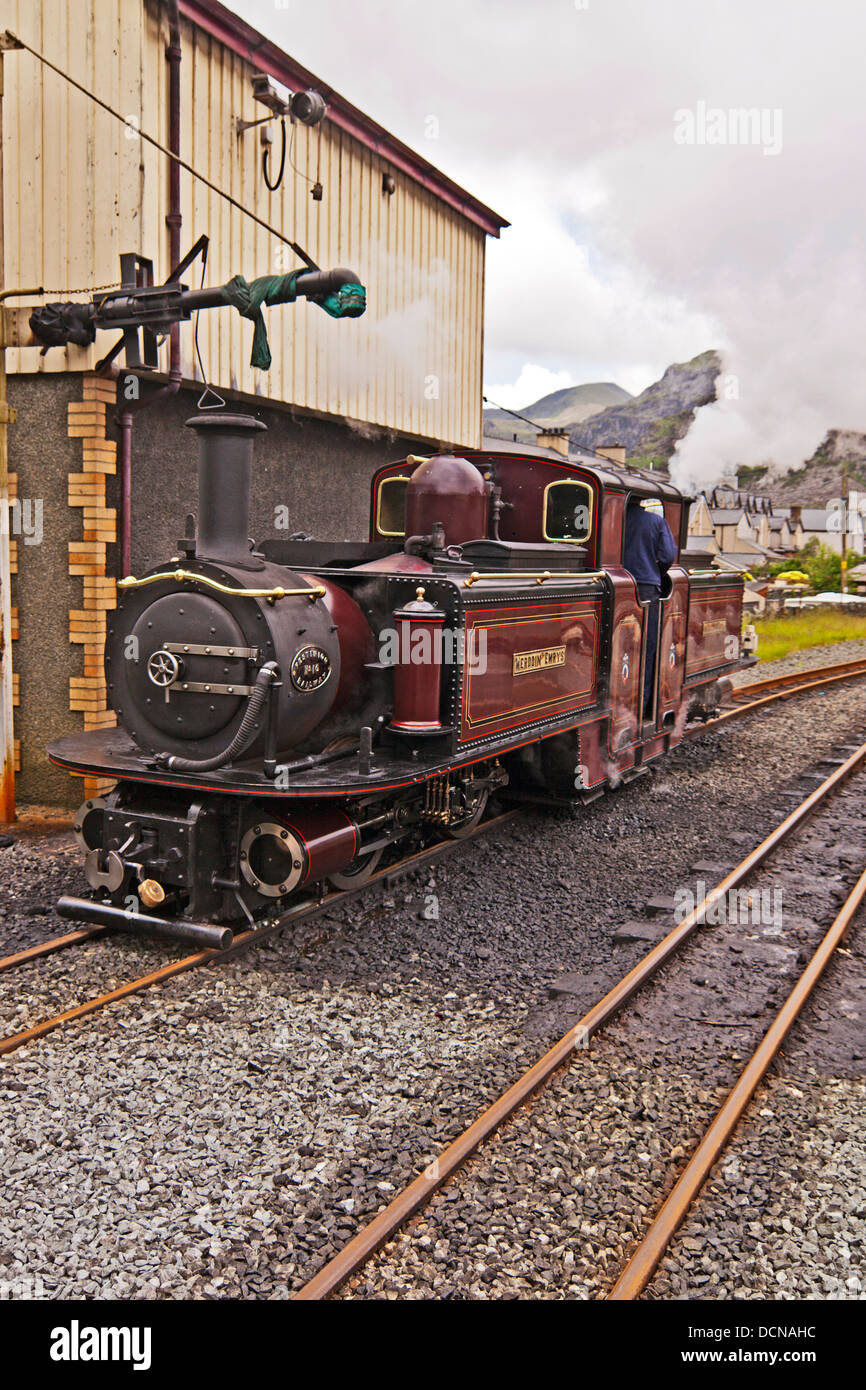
165, 972
412, 1198
302, 912
794, 677
47, 948
643, 1262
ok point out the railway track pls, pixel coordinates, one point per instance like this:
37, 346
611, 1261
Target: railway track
355, 1255
767, 692
836, 671
50, 947
646, 1258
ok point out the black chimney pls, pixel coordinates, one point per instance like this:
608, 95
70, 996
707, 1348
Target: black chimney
225, 456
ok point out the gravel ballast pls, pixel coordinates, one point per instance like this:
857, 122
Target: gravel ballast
226, 1133
806, 659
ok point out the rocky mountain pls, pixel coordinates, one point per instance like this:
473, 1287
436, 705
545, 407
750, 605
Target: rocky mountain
559, 410
820, 477
650, 424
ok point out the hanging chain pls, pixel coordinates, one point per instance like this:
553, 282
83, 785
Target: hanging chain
86, 289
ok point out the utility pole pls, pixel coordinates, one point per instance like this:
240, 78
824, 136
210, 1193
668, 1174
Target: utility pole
844, 527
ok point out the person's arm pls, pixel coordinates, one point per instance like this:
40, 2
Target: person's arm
666, 546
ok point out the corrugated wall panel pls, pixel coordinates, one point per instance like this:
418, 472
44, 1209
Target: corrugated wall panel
81, 188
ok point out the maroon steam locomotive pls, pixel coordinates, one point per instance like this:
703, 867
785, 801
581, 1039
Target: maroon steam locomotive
287, 713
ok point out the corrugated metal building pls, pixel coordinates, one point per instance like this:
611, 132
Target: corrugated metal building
341, 396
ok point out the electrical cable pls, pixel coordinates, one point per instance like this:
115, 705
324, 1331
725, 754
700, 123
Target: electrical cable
298, 171
208, 389
525, 418
587, 448
266, 158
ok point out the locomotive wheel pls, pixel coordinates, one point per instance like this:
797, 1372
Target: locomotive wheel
457, 829
358, 871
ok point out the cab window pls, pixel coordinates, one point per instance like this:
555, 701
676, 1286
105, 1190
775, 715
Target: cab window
567, 511
391, 507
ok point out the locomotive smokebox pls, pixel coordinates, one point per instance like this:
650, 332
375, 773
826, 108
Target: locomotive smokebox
225, 458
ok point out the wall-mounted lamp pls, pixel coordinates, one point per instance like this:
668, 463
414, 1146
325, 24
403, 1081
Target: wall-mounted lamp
389, 184
265, 92
307, 108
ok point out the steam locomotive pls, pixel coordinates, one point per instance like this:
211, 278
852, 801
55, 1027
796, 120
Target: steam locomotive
287, 713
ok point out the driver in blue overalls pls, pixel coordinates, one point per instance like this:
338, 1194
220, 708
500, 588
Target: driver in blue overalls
648, 553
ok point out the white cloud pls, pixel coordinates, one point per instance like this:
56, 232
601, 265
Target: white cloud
629, 250
554, 300
532, 383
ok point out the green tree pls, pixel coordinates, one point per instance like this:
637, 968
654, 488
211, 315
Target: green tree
823, 566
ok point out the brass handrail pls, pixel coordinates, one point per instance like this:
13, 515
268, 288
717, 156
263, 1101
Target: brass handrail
538, 575
130, 582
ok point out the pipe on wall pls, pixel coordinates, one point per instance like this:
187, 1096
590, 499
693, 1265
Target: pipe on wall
174, 222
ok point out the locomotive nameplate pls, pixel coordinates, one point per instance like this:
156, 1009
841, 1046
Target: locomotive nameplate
541, 662
310, 668
538, 660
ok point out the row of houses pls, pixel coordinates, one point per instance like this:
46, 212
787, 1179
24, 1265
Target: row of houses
747, 530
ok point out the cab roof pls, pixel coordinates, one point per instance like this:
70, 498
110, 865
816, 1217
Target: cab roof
612, 476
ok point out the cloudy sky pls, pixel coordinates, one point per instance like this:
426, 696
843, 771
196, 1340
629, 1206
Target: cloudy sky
647, 224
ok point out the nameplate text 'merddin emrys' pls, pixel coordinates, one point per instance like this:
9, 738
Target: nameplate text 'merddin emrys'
537, 661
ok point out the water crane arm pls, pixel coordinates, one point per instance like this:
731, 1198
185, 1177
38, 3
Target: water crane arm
156, 308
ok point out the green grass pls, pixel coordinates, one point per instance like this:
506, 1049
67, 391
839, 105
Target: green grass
794, 631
